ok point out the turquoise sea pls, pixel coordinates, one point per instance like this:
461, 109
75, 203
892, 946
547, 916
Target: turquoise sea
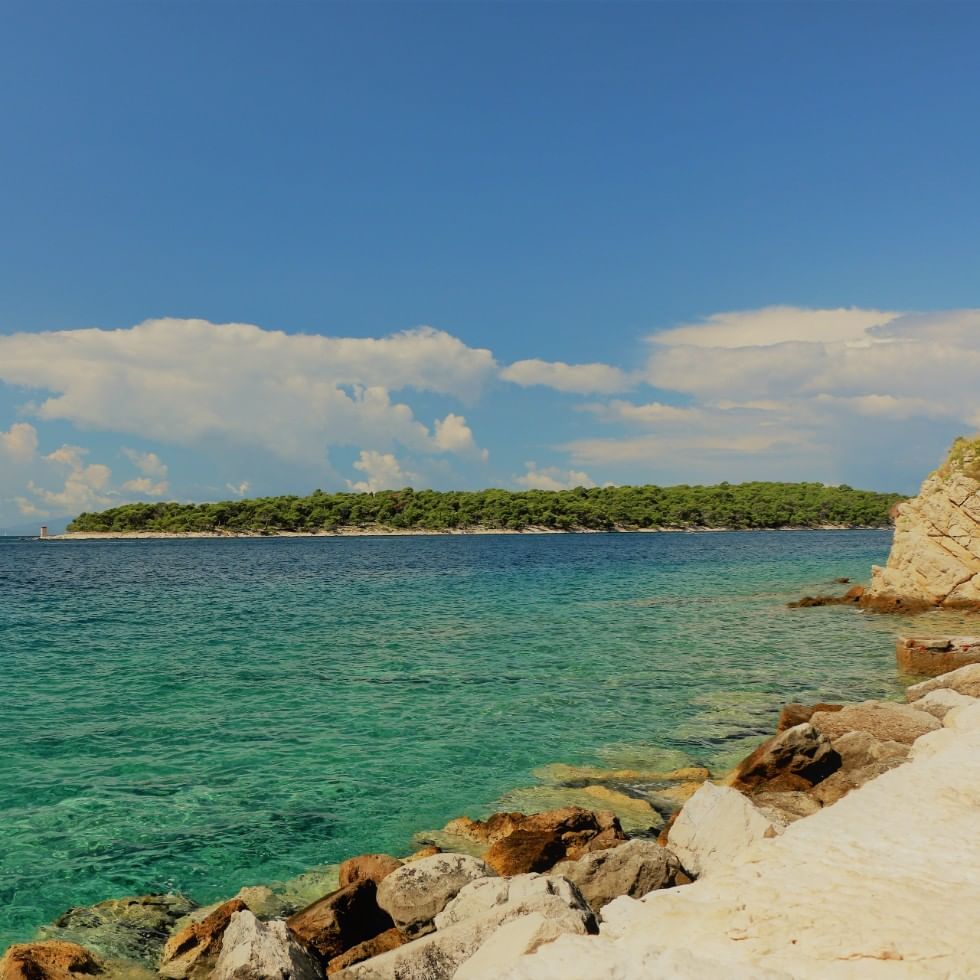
198, 715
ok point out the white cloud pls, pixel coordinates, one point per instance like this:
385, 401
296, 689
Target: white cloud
86, 486
382, 472
582, 379
146, 487
240, 489
19, 442
190, 381
775, 325
652, 413
153, 482
453, 435
552, 478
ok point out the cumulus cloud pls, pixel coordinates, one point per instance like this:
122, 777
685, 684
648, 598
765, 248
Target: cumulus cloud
382, 472
239, 489
453, 435
153, 482
651, 413
552, 478
582, 379
19, 442
86, 486
187, 381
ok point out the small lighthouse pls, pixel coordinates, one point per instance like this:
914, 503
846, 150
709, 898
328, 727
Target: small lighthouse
44, 530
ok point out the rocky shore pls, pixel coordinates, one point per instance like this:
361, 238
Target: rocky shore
569, 893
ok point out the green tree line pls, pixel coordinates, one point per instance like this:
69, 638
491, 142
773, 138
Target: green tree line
741, 505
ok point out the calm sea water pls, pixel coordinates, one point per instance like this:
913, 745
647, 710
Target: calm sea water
201, 715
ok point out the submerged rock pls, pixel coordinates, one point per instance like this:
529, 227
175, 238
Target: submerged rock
414, 894
133, 928
253, 950
340, 920
633, 868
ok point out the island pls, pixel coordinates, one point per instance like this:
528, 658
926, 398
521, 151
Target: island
725, 506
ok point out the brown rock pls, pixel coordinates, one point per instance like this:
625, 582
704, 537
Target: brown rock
340, 920
524, 851
884, 720
49, 960
382, 943
367, 867
786, 808
852, 597
487, 831
191, 952
859, 749
838, 785
795, 713
795, 759
423, 852
931, 656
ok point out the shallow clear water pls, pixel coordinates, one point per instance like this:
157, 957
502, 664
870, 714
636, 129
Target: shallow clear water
199, 715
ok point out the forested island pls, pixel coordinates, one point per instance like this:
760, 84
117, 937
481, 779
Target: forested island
729, 506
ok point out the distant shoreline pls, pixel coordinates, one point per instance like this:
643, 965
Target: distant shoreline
383, 532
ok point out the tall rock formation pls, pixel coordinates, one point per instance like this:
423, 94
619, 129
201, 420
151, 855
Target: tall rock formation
935, 556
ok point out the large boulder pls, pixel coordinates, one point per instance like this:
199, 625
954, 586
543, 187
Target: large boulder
964, 680
784, 808
368, 867
940, 703
51, 959
522, 893
475, 920
414, 894
931, 656
253, 950
538, 841
794, 759
190, 953
634, 868
714, 827
887, 721
935, 554
132, 928
340, 920
859, 749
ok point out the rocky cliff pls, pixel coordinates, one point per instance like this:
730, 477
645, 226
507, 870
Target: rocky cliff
935, 556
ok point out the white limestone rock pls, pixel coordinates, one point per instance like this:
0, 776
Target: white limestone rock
939, 703
935, 554
884, 885
253, 950
634, 868
714, 827
414, 894
963, 680
438, 955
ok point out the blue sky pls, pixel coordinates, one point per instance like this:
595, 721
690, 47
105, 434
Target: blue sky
650, 242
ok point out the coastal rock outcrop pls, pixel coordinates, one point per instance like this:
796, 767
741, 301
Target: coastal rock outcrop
634, 868
414, 894
190, 953
935, 554
931, 656
794, 714
368, 867
51, 959
340, 920
253, 950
